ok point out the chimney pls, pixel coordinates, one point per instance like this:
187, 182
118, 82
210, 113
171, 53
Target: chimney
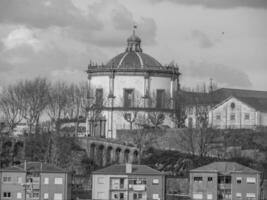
129, 168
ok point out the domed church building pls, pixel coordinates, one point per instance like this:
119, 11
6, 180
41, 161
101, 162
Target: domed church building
131, 91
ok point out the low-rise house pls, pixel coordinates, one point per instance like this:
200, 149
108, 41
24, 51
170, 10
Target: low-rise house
128, 182
34, 180
225, 180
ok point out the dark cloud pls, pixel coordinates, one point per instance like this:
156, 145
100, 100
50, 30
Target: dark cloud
220, 4
222, 74
45, 13
203, 39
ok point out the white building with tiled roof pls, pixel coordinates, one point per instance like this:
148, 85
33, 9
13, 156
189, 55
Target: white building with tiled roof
35, 180
128, 182
239, 109
225, 181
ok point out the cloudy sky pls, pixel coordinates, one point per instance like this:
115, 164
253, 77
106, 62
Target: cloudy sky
225, 40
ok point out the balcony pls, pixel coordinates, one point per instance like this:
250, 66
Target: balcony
139, 187
224, 186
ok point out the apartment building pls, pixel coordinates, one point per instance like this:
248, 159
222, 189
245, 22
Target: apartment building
34, 180
223, 181
128, 182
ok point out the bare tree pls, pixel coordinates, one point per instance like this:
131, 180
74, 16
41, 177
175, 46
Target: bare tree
57, 104
178, 116
34, 99
10, 106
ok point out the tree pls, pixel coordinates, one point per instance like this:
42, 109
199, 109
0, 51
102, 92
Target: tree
156, 118
57, 103
34, 99
10, 106
144, 139
178, 115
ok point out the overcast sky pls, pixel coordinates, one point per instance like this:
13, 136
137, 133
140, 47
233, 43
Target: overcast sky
225, 40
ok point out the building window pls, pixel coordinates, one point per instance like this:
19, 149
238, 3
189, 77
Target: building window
198, 178
232, 105
247, 117
58, 181
121, 182
218, 117
99, 96
57, 196
160, 97
6, 179
128, 98
46, 196
251, 180
155, 181
232, 117
238, 195
238, 180
7, 194
209, 196
100, 180
155, 196
46, 180
197, 196
19, 179
19, 195
224, 179
210, 179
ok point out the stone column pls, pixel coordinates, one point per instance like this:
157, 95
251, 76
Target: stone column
146, 90
121, 158
111, 97
172, 90
104, 159
89, 103
131, 157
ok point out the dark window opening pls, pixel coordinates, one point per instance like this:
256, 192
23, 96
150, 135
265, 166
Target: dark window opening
99, 96
160, 99
128, 98
210, 179
198, 178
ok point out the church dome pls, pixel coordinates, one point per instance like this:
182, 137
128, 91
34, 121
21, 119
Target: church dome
133, 57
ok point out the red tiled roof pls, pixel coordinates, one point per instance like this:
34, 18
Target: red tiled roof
225, 168
120, 169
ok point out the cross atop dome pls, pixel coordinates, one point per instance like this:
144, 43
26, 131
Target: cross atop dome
134, 42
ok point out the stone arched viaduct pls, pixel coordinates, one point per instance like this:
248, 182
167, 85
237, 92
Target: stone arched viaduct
105, 152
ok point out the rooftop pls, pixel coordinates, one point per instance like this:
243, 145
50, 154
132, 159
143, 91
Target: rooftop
120, 169
34, 166
224, 168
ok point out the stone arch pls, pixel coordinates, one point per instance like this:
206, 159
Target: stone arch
109, 155
118, 154
126, 155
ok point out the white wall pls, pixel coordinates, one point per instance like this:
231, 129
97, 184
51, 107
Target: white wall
263, 119
104, 187
128, 82
240, 110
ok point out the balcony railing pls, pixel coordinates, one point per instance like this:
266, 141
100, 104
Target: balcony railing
139, 187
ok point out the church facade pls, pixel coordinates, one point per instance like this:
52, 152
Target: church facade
130, 91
